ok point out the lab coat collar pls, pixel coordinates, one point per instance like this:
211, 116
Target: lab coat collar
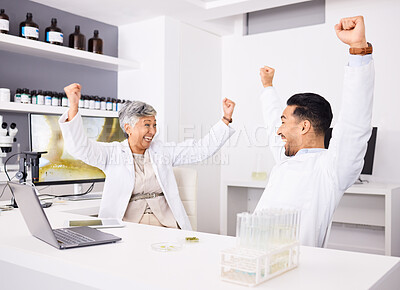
126, 150
309, 150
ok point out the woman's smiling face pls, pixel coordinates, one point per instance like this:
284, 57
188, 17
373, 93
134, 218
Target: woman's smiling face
142, 134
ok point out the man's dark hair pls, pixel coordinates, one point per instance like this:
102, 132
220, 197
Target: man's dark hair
312, 107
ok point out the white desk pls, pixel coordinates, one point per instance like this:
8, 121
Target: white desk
28, 263
367, 218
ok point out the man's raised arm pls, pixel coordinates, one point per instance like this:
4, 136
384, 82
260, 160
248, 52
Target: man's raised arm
272, 108
353, 129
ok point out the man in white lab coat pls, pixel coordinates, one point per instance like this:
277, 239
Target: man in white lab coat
306, 175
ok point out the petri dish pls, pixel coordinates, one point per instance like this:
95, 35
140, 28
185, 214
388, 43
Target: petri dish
166, 247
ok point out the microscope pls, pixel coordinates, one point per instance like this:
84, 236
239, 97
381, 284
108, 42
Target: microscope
26, 158
7, 136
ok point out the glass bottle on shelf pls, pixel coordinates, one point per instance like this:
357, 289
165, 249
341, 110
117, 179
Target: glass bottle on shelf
54, 34
114, 104
87, 102
33, 97
120, 104
103, 104
91, 102
59, 98
29, 29
48, 98
82, 102
95, 43
55, 100
4, 22
97, 103
109, 104
25, 96
64, 100
77, 39
17, 96
40, 98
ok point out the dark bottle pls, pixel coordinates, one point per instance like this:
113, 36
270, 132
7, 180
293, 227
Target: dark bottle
96, 43
77, 39
28, 28
54, 34
4, 22
33, 97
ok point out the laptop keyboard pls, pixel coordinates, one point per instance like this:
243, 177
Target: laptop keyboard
68, 237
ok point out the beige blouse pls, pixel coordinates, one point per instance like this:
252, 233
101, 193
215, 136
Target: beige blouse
146, 182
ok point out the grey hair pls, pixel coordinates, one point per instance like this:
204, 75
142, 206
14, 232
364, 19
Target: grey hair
132, 111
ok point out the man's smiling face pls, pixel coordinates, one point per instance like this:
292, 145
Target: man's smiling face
290, 131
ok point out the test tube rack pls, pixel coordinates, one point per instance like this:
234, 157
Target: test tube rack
251, 267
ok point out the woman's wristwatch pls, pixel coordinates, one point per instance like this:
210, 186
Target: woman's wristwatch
361, 51
226, 119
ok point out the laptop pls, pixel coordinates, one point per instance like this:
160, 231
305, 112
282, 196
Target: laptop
39, 226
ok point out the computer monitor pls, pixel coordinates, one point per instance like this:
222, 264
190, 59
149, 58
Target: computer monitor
58, 166
369, 155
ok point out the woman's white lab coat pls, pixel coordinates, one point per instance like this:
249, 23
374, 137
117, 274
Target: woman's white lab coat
116, 161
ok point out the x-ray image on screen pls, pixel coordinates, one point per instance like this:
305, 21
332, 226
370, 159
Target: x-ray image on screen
58, 166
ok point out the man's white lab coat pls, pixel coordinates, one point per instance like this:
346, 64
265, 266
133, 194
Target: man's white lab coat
116, 161
314, 180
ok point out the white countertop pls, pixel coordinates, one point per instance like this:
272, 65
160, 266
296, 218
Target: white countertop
132, 264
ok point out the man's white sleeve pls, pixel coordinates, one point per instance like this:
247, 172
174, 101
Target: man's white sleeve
350, 135
272, 108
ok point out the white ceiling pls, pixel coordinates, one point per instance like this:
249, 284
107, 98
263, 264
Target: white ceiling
217, 16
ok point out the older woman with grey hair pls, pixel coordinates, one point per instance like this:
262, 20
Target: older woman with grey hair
140, 185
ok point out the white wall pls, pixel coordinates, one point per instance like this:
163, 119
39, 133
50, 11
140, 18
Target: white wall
155, 44
312, 59
200, 108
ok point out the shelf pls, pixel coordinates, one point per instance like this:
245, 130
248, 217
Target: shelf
30, 108
247, 183
370, 189
65, 54
364, 189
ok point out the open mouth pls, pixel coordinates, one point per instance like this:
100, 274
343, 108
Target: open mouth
148, 139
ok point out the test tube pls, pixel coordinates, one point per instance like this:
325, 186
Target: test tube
239, 218
245, 230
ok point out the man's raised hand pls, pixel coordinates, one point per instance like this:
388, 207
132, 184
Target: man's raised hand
267, 75
351, 31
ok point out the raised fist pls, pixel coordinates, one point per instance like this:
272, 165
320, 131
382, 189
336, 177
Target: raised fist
352, 31
267, 75
228, 106
73, 92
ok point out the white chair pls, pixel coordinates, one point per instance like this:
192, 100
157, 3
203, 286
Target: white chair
186, 178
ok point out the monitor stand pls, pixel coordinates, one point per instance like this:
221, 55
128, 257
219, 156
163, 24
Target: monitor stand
77, 188
361, 181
